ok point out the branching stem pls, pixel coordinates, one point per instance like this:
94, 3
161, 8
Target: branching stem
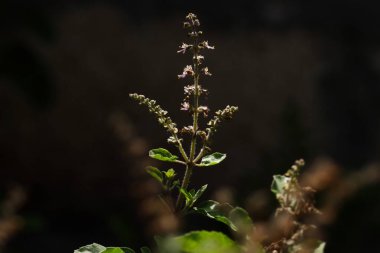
193, 144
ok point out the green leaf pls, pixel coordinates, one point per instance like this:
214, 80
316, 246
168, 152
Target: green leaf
200, 242
192, 196
192, 192
174, 184
155, 173
145, 250
162, 155
239, 217
212, 159
97, 248
279, 183
170, 173
92, 248
216, 211
199, 193
116, 250
234, 217
188, 196
208, 206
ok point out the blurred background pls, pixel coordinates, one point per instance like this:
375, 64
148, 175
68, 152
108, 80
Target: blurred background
73, 147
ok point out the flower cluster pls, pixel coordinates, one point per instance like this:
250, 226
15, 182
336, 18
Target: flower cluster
221, 115
192, 24
160, 114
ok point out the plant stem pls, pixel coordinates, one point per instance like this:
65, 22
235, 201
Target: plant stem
185, 184
180, 148
196, 100
193, 144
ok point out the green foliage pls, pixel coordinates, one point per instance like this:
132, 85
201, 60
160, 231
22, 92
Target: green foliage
170, 173
199, 242
291, 196
97, 248
93, 248
235, 217
155, 173
195, 157
162, 155
192, 196
212, 159
165, 178
118, 250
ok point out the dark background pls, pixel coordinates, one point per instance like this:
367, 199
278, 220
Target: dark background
305, 75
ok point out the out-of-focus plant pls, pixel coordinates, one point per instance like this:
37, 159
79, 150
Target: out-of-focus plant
294, 200
10, 222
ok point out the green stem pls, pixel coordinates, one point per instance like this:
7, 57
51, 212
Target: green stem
180, 148
185, 184
203, 151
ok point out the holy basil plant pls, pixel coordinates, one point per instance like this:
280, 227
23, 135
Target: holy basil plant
197, 157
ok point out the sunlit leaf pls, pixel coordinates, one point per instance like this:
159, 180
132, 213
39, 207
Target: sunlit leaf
200, 242
170, 173
117, 250
92, 248
97, 248
212, 159
162, 155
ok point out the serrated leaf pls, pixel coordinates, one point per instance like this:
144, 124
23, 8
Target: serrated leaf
162, 155
212, 159
200, 242
155, 173
279, 183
